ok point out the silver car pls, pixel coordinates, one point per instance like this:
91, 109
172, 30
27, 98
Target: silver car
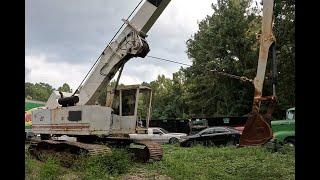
160, 135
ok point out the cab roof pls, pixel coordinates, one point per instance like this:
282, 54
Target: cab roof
292, 109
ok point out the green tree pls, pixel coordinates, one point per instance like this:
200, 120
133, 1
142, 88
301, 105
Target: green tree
178, 95
284, 30
65, 88
38, 91
103, 94
168, 97
143, 103
225, 41
161, 105
29, 90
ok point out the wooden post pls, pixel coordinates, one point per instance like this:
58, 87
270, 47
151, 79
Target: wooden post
120, 102
136, 103
149, 110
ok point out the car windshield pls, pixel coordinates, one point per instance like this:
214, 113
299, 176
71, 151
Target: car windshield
205, 130
164, 131
290, 115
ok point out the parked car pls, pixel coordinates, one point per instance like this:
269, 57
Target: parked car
159, 135
239, 128
213, 136
283, 130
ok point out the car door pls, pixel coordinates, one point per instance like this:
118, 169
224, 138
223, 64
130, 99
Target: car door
205, 136
221, 136
157, 136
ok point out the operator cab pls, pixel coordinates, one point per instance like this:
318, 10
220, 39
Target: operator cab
291, 114
133, 102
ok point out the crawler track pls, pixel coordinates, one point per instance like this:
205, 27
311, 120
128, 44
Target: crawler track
66, 151
70, 146
70, 150
151, 152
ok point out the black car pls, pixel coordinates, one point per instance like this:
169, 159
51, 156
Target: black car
213, 136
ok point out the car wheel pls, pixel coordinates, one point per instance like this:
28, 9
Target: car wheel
190, 143
173, 140
290, 142
208, 143
230, 143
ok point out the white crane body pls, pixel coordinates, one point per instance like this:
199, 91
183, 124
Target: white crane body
84, 117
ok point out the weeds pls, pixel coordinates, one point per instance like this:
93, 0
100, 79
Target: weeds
225, 163
178, 163
50, 169
105, 166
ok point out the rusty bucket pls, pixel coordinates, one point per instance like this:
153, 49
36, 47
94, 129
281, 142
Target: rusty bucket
257, 131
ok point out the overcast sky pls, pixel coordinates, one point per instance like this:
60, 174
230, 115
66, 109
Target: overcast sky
64, 38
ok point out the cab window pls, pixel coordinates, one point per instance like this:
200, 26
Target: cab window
156, 131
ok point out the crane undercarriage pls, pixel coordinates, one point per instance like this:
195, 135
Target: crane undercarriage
68, 151
96, 128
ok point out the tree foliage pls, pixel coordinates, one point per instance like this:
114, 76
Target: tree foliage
168, 97
285, 34
65, 88
38, 91
227, 41
102, 98
41, 91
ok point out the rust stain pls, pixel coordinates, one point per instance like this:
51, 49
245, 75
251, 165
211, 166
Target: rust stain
61, 126
54, 114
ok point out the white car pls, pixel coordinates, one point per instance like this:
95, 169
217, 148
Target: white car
159, 135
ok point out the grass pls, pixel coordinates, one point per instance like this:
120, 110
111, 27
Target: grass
178, 163
225, 163
29, 106
86, 167
37, 170
105, 166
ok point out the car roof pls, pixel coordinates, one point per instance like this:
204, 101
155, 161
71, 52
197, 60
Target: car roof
156, 128
225, 127
218, 127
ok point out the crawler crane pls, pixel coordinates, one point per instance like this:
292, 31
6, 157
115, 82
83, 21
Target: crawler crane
79, 116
